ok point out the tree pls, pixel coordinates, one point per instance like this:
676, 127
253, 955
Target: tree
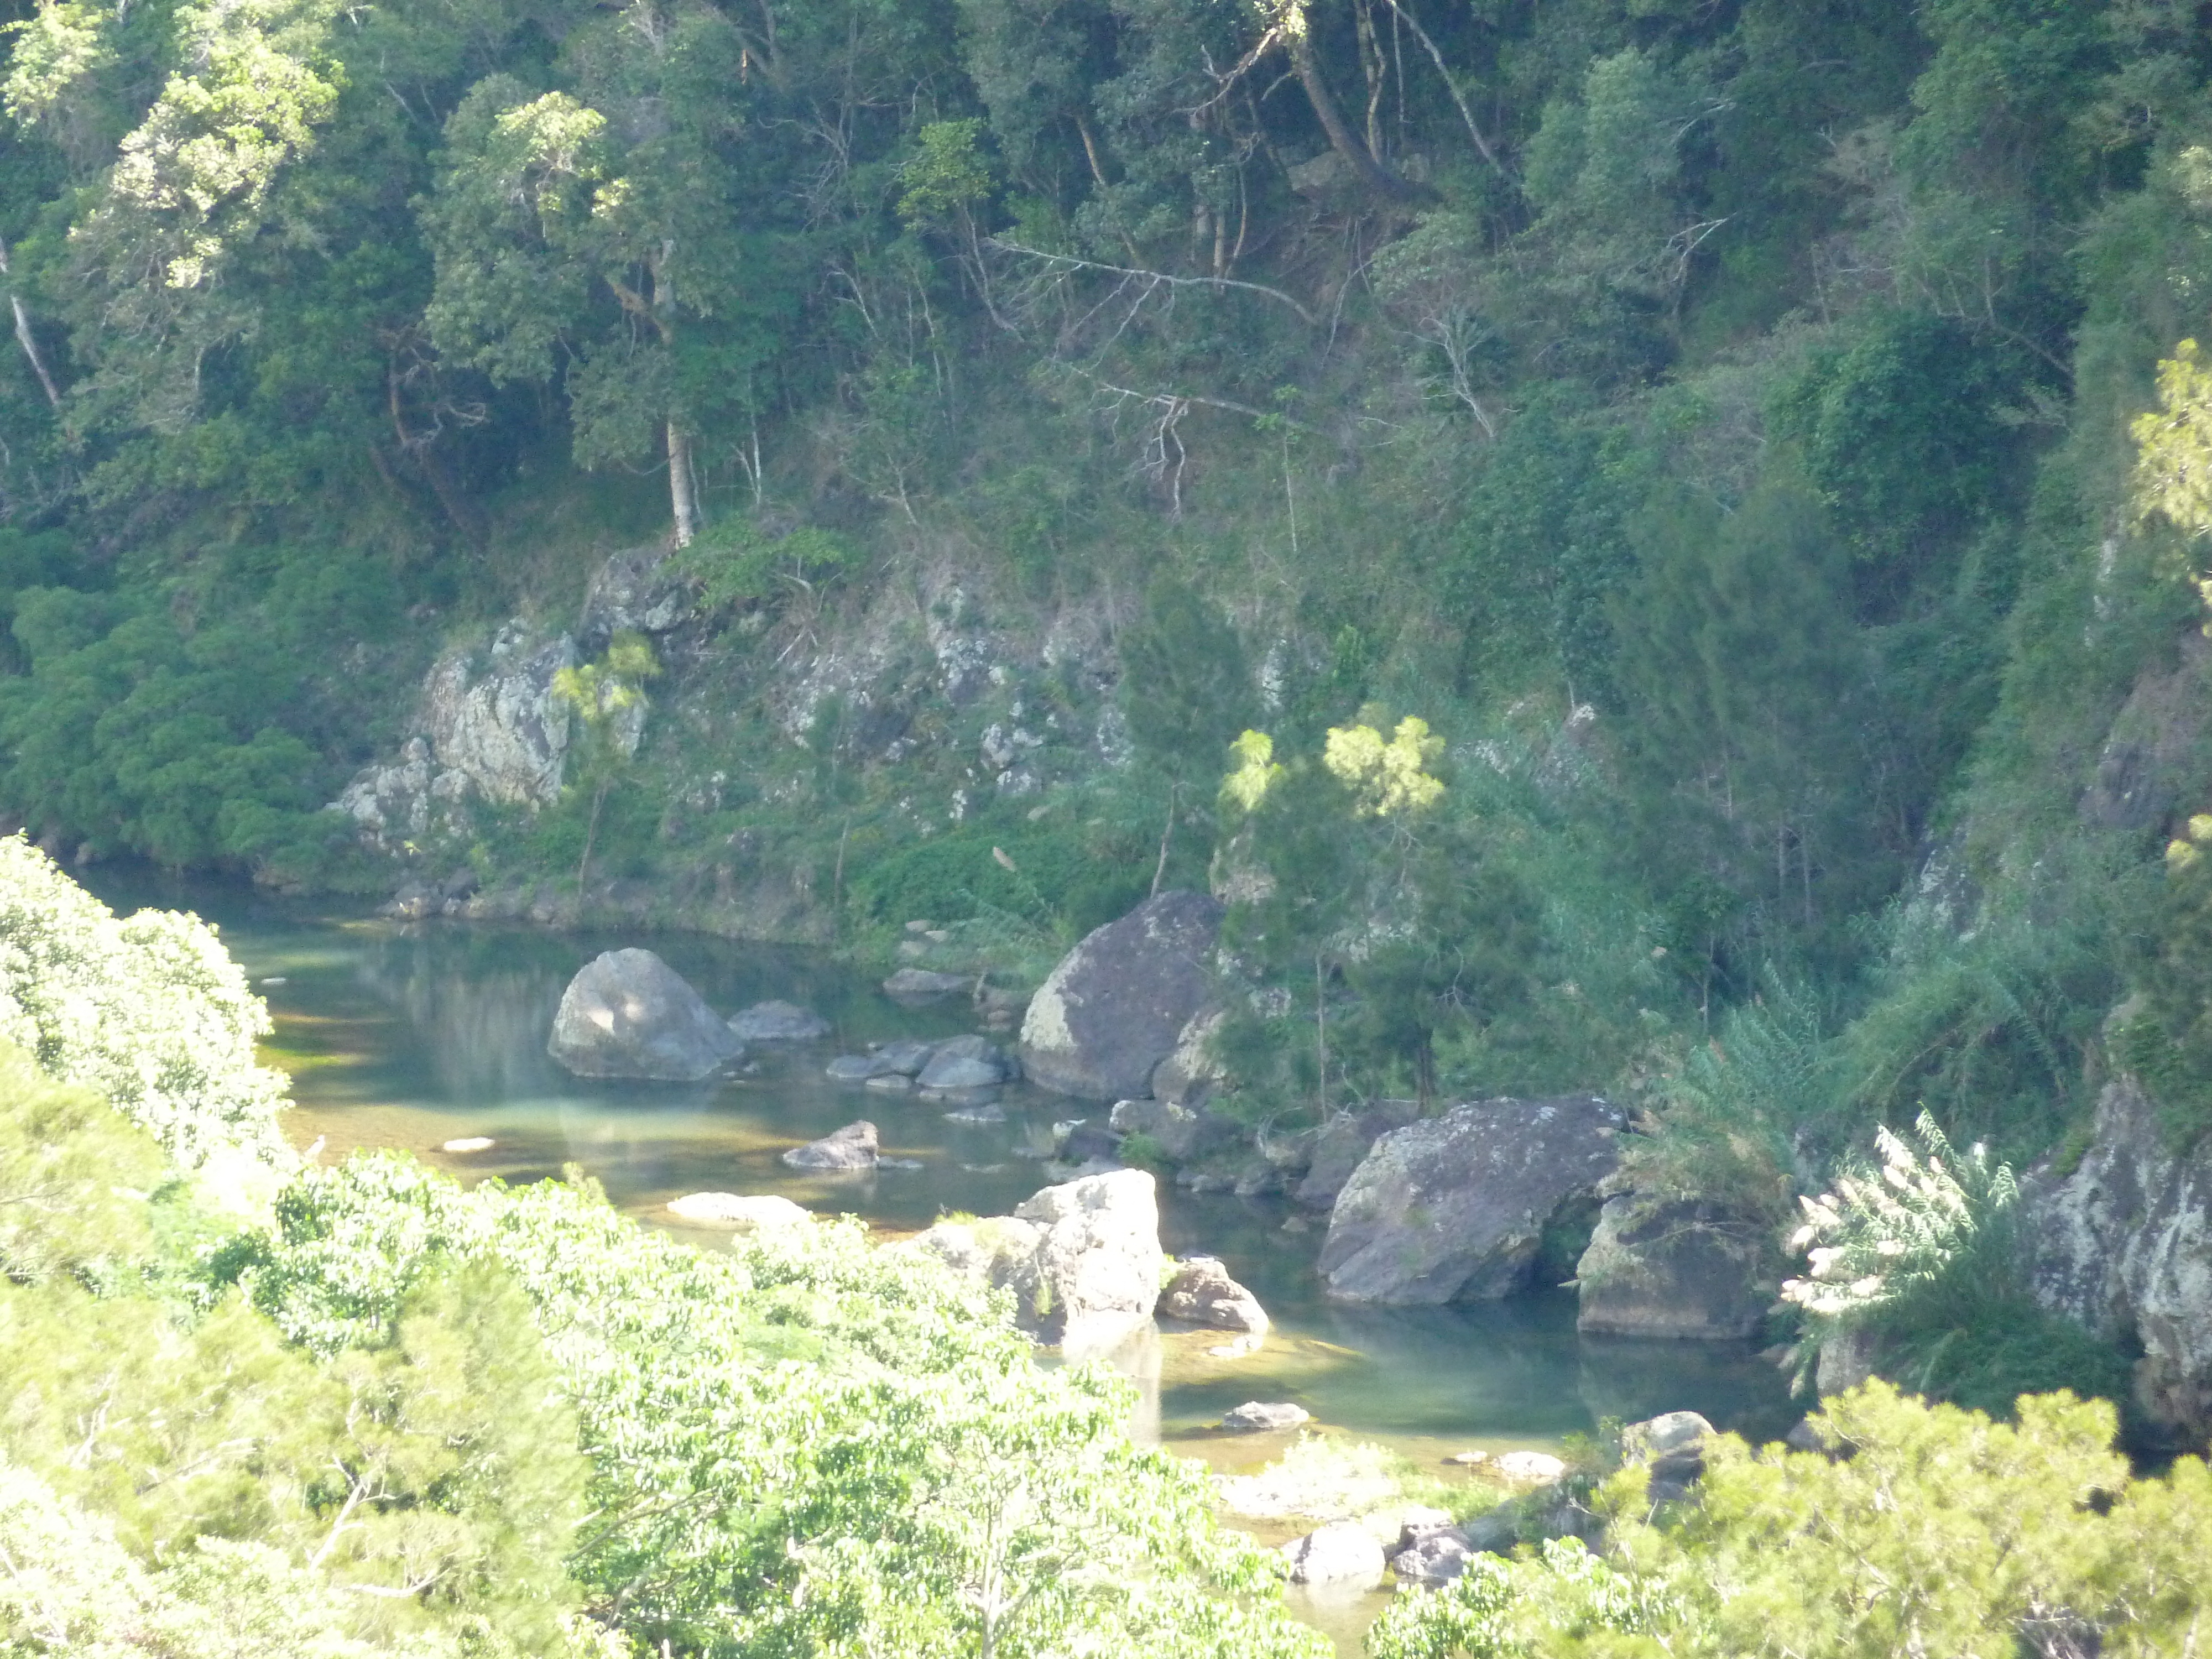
606, 700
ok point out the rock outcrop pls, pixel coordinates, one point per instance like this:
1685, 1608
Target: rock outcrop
1188, 1076
1118, 1003
629, 1014
1081, 1260
1429, 1554
853, 1147
1202, 1293
1454, 1209
487, 728
2124, 1243
1180, 1133
1671, 1268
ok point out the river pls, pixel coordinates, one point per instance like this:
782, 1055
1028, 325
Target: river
413, 1036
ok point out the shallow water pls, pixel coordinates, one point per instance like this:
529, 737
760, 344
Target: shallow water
412, 1035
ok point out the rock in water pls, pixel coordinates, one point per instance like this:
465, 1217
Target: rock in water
1431, 1555
1261, 1416
779, 1022
1672, 1267
1114, 1008
916, 985
964, 1062
1453, 1209
1340, 1143
746, 1214
853, 1147
1343, 1553
626, 1013
1082, 1259
1202, 1292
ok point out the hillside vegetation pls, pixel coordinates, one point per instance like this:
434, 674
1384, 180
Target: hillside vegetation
1656, 492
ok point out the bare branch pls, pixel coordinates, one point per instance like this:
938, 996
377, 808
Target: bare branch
1070, 261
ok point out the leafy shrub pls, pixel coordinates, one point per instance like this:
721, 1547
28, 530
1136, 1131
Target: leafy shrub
149, 1009
1924, 1252
1937, 1531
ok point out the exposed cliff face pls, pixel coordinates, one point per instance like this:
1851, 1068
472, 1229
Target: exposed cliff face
488, 728
2124, 1243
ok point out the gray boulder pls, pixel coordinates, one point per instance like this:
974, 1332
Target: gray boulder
964, 1062
2123, 1244
1454, 1209
1203, 1293
914, 986
1081, 1260
859, 1068
1674, 1445
1342, 1142
1429, 1556
779, 1022
853, 1147
626, 1013
1673, 1267
1263, 1417
1343, 1553
1188, 1076
1117, 1004
1179, 1131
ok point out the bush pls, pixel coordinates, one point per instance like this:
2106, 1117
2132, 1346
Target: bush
149, 1010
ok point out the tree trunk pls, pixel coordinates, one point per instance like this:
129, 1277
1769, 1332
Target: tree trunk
680, 491
1298, 39
28, 340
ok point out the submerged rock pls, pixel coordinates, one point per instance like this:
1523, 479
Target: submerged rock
779, 1022
1203, 1293
917, 985
629, 1014
746, 1213
853, 1147
1454, 1208
1343, 1553
1117, 1004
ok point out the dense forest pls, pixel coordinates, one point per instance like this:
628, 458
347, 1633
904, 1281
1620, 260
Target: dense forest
1643, 545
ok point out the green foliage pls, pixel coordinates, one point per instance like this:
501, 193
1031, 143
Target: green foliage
1186, 688
149, 1009
1922, 1253
73, 1177
1066, 879
1935, 1529
737, 563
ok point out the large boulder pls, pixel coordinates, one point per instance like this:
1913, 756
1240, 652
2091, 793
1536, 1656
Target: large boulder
626, 1013
1190, 1073
1343, 1142
1454, 1209
1117, 1004
1674, 1268
1081, 1260
2124, 1243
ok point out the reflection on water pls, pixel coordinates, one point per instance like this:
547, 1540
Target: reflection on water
411, 1037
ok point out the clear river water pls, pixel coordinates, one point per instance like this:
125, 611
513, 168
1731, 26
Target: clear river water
412, 1035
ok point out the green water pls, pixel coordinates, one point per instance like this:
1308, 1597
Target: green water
413, 1036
